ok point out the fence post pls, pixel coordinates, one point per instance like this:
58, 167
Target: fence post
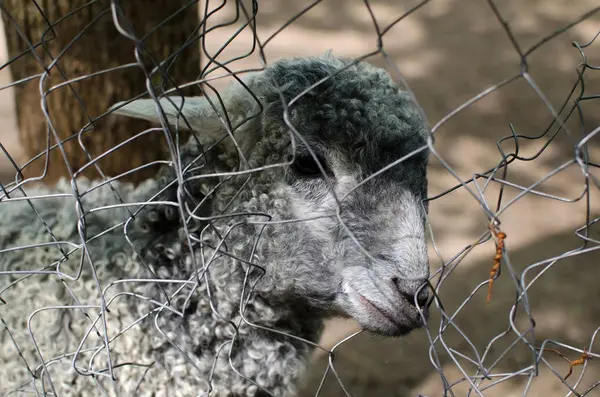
61, 41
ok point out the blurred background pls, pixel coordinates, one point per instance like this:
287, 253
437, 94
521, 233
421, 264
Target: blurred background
448, 51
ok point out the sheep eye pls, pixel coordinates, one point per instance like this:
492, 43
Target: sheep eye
307, 166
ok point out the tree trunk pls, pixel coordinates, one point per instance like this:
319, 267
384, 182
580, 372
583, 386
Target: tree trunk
73, 39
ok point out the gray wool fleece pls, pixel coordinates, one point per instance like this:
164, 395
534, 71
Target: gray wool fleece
287, 276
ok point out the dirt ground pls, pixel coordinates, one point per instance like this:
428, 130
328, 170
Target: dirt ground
449, 51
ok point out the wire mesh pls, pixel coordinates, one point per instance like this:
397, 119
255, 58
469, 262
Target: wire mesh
76, 277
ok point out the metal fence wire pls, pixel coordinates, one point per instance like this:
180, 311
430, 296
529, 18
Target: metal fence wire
113, 288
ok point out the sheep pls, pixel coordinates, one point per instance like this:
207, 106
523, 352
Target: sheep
268, 225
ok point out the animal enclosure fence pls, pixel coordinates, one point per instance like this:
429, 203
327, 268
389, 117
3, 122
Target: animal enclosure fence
512, 299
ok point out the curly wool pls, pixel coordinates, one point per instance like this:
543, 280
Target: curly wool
202, 333
169, 350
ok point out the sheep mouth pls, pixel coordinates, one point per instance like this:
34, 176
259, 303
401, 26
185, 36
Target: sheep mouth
385, 317
396, 321
378, 304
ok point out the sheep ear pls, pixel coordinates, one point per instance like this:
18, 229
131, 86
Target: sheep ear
195, 110
196, 113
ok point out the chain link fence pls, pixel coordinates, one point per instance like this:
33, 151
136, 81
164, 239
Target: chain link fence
512, 225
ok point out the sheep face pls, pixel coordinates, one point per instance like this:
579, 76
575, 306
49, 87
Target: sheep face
361, 250
338, 130
364, 256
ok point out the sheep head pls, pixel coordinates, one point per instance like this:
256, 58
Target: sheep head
322, 137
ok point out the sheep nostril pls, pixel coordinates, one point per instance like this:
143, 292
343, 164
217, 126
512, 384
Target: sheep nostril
409, 291
422, 297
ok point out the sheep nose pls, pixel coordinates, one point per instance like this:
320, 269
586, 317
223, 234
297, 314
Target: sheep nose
411, 288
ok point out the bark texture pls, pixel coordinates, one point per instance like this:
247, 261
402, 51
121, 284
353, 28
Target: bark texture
65, 40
